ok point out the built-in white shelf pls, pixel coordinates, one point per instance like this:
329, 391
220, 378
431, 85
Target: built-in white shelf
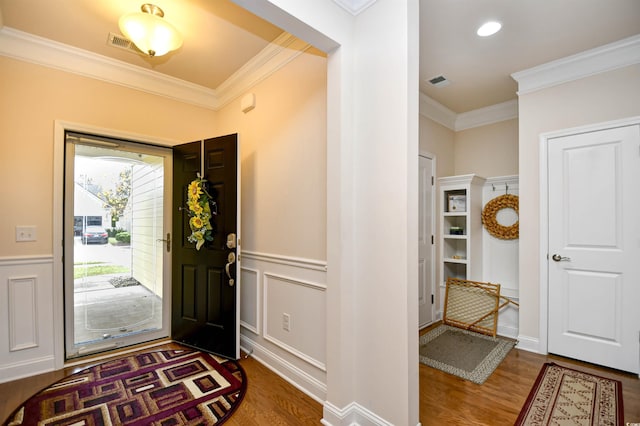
461, 209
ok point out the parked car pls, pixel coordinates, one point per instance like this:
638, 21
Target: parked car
95, 234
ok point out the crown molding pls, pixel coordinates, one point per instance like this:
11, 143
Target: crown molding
277, 54
41, 51
437, 112
487, 115
611, 56
354, 7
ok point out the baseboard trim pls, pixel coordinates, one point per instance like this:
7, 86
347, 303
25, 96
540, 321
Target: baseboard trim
508, 331
301, 380
529, 344
351, 415
32, 367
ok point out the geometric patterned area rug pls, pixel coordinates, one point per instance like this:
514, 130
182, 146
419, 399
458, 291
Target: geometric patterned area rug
562, 396
163, 388
466, 354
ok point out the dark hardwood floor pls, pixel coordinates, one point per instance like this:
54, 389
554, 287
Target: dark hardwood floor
444, 399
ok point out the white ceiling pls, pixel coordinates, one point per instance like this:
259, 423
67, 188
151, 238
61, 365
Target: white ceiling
220, 37
533, 32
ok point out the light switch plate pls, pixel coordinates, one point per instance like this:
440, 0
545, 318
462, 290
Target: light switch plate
25, 233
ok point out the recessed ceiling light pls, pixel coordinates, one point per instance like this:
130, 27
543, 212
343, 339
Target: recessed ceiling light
489, 28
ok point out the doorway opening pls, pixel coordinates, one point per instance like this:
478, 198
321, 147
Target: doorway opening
116, 207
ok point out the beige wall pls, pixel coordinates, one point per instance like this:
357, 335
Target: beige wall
599, 98
438, 140
32, 97
283, 148
284, 164
487, 151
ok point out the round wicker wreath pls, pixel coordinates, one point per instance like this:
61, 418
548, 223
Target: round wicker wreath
490, 221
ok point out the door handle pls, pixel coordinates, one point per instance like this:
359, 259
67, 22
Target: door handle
558, 258
231, 259
168, 241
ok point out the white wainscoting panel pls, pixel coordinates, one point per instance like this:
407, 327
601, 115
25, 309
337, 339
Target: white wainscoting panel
273, 287
249, 297
304, 304
26, 303
23, 313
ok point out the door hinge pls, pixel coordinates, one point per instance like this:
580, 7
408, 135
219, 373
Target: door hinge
432, 299
432, 181
432, 240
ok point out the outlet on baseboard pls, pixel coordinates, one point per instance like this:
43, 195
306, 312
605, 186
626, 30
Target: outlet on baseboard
286, 322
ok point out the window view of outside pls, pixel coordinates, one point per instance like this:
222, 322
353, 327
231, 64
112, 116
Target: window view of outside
117, 259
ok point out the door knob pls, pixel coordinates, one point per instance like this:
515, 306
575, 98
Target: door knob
558, 258
231, 259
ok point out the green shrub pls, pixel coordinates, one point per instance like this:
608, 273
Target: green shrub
115, 231
123, 237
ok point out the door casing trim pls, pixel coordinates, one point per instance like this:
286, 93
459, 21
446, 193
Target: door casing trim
60, 127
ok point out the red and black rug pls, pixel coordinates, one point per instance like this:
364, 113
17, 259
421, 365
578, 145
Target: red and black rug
163, 388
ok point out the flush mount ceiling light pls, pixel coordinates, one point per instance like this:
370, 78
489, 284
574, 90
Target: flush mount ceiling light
149, 32
489, 28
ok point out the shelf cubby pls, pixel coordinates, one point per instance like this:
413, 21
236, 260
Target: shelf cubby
461, 227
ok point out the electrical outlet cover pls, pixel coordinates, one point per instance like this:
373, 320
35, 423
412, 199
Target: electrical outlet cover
25, 233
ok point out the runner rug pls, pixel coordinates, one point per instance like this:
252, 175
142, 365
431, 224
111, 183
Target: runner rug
466, 354
164, 388
564, 396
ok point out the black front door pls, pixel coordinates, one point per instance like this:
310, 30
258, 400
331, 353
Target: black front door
205, 295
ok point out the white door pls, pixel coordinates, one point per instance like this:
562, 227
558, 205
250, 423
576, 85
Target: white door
425, 242
594, 247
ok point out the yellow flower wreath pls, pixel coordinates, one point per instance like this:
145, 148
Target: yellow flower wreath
200, 213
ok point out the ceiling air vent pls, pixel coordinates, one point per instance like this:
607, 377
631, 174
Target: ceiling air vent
121, 42
439, 81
